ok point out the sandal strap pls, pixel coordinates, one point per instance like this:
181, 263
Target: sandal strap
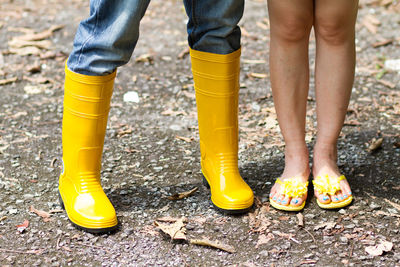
292, 187
328, 185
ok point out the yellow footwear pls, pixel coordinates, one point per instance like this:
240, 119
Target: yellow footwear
86, 106
329, 186
291, 188
216, 81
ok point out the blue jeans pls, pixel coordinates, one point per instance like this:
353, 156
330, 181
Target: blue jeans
106, 39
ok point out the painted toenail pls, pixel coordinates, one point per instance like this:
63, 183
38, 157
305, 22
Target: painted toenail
279, 201
336, 199
284, 202
295, 201
344, 196
350, 193
325, 198
274, 198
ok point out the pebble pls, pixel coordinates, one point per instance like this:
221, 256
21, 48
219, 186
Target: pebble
343, 239
13, 211
350, 226
342, 211
375, 206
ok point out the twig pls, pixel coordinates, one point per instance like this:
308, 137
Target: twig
58, 242
310, 235
351, 250
21, 251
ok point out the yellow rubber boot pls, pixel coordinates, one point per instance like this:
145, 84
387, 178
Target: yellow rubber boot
86, 106
216, 81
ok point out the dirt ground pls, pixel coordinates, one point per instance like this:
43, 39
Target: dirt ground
151, 150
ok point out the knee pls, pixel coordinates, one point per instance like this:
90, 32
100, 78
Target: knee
334, 32
292, 29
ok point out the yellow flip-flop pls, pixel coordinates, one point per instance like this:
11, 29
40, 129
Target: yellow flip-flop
293, 188
329, 186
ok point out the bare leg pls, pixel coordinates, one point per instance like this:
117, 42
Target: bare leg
291, 23
334, 25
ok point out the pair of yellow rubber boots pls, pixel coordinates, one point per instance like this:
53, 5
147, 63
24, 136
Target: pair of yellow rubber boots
86, 106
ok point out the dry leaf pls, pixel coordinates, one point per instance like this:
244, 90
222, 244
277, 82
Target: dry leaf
264, 239
379, 249
186, 139
26, 51
183, 194
395, 205
7, 81
253, 61
176, 230
382, 43
326, 225
283, 218
41, 35
300, 217
16, 43
41, 213
145, 58
375, 144
184, 53
214, 244
258, 75
387, 83
22, 227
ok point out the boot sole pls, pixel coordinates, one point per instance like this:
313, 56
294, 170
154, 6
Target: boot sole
226, 211
89, 230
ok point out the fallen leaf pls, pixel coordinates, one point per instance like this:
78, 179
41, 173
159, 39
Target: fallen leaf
145, 58
26, 51
378, 250
283, 218
395, 205
387, 83
300, 217
41, 213
7, 81
214, 244
264, 239
184, 53
253, 61
183, 194
375, 144
382, 43
41, 35
22, 227
325, 225
16, 43
258, 75
186, 139
3, 218
176, 230
35, 89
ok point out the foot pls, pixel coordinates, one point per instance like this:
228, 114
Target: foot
325, 167
296, 171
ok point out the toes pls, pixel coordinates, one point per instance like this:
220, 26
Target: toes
336, 197
296, 201
322, 197
285, 201
346, 190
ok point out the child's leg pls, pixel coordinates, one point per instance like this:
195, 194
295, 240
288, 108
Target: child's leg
291, 23
334, 25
